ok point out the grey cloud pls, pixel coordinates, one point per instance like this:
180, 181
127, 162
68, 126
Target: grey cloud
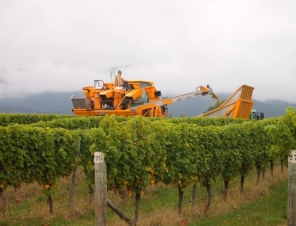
3, 81
178, 45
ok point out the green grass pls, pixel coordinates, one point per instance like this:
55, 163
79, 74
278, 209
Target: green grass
263, 204
268, 210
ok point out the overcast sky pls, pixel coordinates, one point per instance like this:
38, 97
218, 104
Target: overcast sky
63, 45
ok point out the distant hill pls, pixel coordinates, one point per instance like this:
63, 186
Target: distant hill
60, 103
44, 103
272, 108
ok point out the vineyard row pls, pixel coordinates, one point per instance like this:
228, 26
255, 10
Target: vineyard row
141, 151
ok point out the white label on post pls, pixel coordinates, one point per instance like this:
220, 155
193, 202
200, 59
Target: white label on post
99, 157
292, 157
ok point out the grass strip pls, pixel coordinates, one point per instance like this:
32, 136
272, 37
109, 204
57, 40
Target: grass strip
267, 210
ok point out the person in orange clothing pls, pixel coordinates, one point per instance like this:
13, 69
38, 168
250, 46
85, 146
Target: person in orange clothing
118, 81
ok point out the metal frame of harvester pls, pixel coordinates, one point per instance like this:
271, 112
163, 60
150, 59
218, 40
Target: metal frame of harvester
138, 97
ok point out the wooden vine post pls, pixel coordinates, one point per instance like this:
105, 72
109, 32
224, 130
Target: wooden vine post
100, 189
292, 188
